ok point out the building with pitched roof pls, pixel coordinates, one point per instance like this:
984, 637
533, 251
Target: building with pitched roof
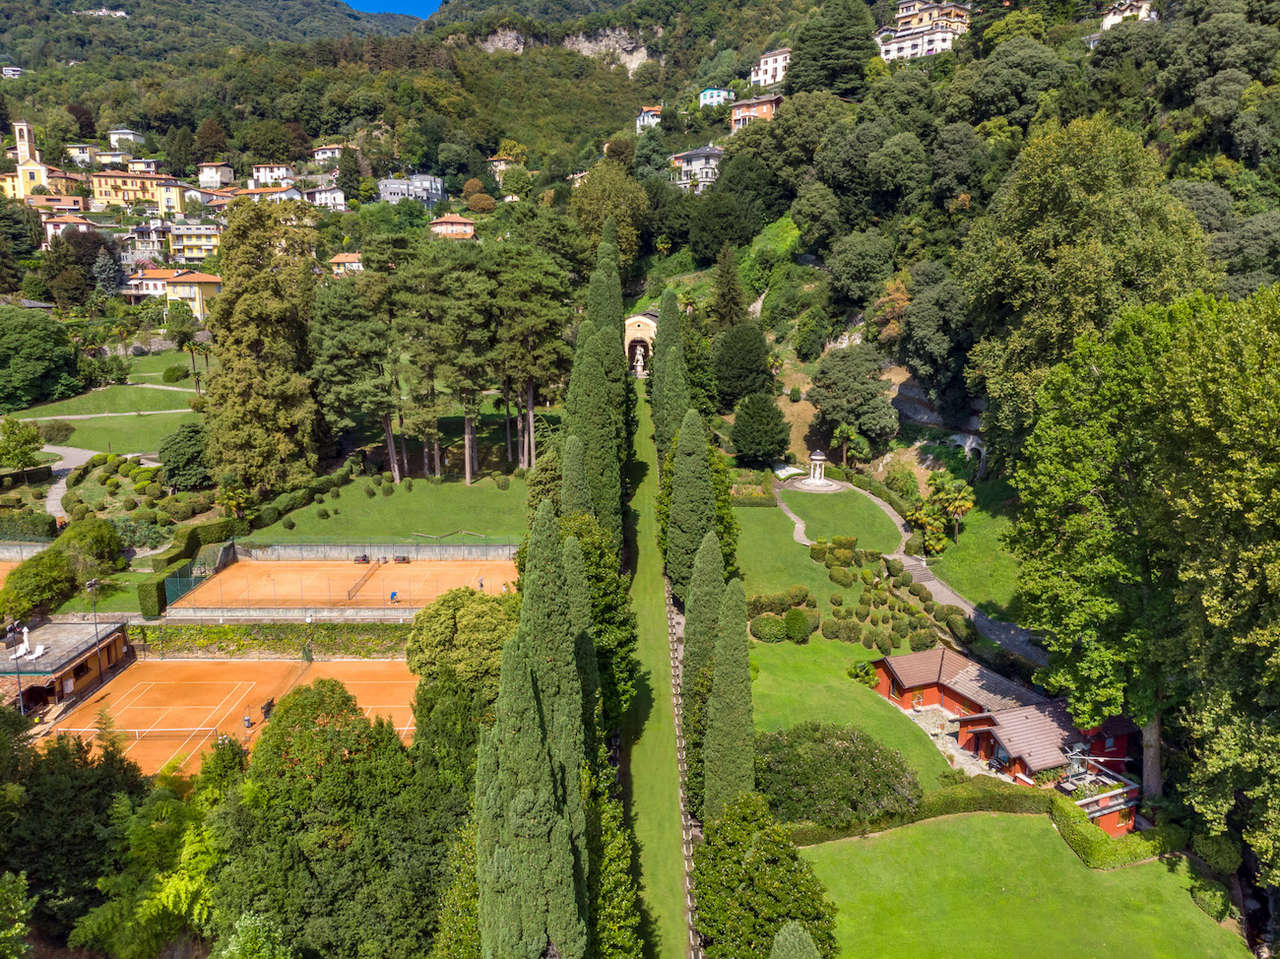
215, 175
744, 112
344, 263
771, 68
454, 227
696, 169
648, 117
922, 29
66, 223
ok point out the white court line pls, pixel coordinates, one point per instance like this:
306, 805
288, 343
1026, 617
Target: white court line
125, 703
212, 715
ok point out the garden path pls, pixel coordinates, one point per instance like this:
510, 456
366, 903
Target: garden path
1010, 636
101, 416
70, 458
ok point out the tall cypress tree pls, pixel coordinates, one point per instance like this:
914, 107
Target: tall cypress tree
669, 334
531, 838
592, 417
578, 590
692, 503
729, 752
675, 400
728, 305
575, 486
702, 612
793, 942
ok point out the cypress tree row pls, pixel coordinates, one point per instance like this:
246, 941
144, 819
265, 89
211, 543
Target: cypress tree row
575, 487
531, 838
793, 942
670, 333
702, 611
673, 401
591, 418
578, 590
692, 503
729, 751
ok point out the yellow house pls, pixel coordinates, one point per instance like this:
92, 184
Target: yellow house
197, 290
30, 172
193, 242
126, 189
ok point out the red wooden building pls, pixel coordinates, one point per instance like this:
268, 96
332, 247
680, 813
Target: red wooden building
1023, 734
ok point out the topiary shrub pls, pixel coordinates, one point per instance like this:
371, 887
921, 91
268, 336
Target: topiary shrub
794, 394
922, 639
837, 599
844, 542
288, 523
830, 629
1220, 853
914, 545
850, 632
175, 374
376, 479
920, 591
408, 485
388, 478
1213, 898
502, 481
388, 489
797, 626
884, 644
818, 551
960, 627
322, 513
841, 576
769, 628
894, 566
839, 556
79, 512
267, 516
129, 504
901, 627
369, 491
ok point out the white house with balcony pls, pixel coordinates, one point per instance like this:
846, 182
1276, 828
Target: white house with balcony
273, 174
329, 197
1136, 11
695, 170
215, 175
121, 138
923, 29
648, 117
419, 186
772, 68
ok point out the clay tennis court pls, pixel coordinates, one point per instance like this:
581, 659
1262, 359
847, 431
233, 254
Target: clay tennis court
257, 584
5, 570
173, 711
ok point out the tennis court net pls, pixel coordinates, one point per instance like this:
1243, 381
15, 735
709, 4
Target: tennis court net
133, 735
364, 578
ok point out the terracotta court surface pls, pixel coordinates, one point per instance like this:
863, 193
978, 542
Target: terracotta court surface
256, 584
172, 711
5, 570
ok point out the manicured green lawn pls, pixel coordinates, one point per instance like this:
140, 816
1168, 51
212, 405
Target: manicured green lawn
128, 434
652, 783
114, 399
435, 510
844, 514
118, 594
978, 566
797, 684
991, 886
151, 366
771, 561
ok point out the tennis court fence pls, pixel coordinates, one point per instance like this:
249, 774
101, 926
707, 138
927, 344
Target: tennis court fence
349, 552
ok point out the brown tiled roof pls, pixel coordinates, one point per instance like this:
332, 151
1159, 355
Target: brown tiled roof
345, 258
984, 686
1038, 734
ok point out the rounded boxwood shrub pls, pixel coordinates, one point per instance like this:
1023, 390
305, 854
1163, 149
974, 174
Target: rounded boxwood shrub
289, 523
818, 551
407, 483
841, 576
129, 504
388, 489
376, 479
155, 489
922, 639
769, 628
503, 482
268, 516
794, 394
1212, 897
388, 478
850, 632
830, 629
901, 627
1221, 853
797, 625
884, 644
961, 628
837, 599
175, 374
79, 512
335, 493
322, 513
894, 566
370, 492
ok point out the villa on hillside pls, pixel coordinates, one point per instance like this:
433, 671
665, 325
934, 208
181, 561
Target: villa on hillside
772, 68
215, 175
1136, 11
1018, 732
714, 97
745, 112
648, 117
453, 227
696, 169
922, 29
344, 263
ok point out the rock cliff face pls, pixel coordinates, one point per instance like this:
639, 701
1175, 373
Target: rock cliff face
629, 49
611, 44
513, 41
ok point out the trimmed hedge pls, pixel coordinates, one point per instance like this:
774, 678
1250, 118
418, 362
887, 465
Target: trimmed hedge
769, 628
1097, 850
752, 500
188, 540
27, 525
37, 474
779, 603
363, 640
876, 488
1213, 898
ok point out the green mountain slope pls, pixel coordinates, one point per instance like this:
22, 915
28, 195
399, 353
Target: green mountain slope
459, 11
36, 33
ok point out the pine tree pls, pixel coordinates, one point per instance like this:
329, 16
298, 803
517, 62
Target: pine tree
702, 612
833, 49
729, 751
674, 401
793, 942
531, 836
728, 304
692, 503
575, 488
107, 275
348, 180
259, 415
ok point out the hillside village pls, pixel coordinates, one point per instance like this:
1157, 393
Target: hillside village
767, 480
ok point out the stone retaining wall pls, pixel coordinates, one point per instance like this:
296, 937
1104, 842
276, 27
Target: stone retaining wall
307, 552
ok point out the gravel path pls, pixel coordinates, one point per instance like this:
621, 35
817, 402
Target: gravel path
1008, 635
101, 416
69, 458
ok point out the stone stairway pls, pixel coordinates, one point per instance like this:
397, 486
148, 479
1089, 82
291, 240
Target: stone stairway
690, 830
